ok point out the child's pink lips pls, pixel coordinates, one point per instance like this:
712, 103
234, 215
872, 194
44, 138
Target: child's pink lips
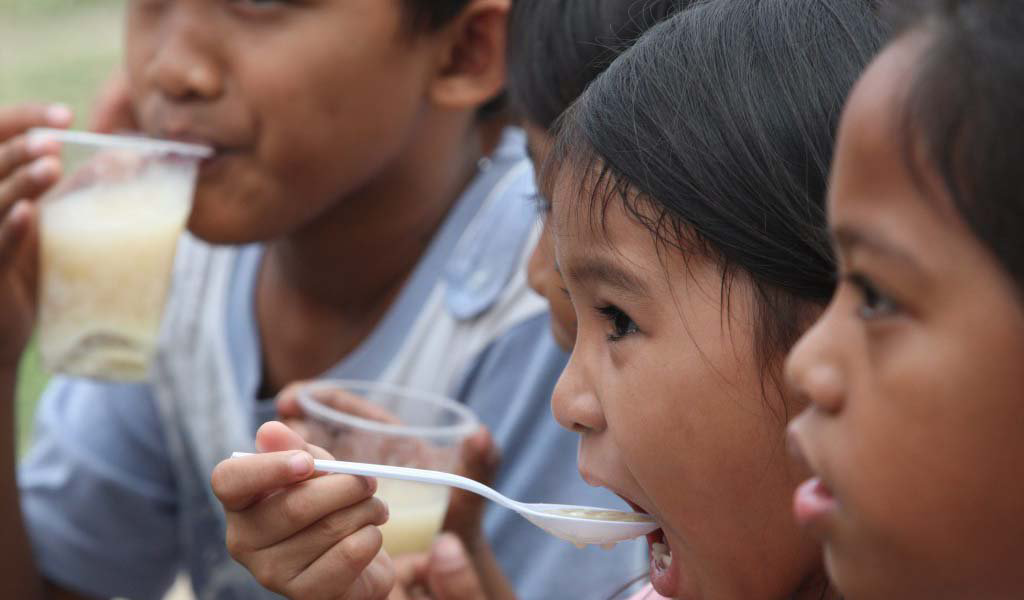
813, 505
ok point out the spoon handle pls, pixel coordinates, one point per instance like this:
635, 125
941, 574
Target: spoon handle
409, 474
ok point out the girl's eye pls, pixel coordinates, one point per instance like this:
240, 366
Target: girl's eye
542, 203
874, 304
621, 323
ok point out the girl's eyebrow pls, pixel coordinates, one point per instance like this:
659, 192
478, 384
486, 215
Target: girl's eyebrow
598, 270
851, 239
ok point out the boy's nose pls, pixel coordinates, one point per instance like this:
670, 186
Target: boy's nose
185, 68
812, 373
575, 405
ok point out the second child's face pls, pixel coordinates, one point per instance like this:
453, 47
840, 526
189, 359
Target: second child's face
667, 397
304, 101
915, 374
542, 270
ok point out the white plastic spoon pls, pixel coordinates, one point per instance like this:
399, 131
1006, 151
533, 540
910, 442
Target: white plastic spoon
577, 524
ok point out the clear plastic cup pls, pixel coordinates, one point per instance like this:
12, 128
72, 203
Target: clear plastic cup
378, 423
107, 237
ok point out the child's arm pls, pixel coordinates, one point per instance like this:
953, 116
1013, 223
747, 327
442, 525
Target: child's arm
301, 535
20, 577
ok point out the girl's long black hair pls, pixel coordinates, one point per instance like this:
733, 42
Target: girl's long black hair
716, 132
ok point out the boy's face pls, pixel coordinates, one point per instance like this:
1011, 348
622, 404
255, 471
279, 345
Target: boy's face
915, 377
305, 101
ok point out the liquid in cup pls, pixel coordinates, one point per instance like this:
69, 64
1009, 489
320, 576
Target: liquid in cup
383, 424
107, 238
416, 511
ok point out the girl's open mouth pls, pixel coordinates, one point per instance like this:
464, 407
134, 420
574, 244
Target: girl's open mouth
664, 578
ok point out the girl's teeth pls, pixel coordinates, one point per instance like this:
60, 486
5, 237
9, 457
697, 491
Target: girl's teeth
662, 555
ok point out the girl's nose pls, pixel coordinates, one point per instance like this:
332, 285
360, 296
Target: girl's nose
811, 370
575, 405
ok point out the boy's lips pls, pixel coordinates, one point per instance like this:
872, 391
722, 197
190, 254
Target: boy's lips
222, 142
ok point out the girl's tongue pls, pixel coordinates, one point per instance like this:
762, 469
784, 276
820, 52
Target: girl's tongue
664, 578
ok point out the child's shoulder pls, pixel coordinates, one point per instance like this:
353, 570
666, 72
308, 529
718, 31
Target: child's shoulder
485, 269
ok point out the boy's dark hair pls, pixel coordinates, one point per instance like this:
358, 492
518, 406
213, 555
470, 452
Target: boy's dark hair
965, 108
557, 47
715, 131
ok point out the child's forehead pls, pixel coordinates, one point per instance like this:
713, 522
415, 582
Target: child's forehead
880, 156
875, 105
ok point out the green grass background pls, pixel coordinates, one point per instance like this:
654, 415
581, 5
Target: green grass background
54, 51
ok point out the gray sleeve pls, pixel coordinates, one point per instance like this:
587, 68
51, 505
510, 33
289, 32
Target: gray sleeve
510, 389
98, 493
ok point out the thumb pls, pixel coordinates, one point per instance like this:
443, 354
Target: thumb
450, 572
278, 437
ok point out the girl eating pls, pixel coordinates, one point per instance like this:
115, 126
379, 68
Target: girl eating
688, 189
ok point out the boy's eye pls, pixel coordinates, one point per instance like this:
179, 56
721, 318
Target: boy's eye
874, 304
621, 323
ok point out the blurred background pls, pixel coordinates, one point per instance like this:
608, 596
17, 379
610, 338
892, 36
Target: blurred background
54, 51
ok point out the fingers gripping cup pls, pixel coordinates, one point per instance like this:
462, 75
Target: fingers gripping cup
390, 425
107, 238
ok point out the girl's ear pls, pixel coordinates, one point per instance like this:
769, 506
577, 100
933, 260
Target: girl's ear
471, 69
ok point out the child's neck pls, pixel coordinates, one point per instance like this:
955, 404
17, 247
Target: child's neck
322, 290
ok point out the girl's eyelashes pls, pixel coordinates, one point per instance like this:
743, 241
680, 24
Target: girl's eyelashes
621, 324
541, 202
874, 304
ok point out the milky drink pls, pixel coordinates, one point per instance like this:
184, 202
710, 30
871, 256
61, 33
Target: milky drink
381, 423
106, 252
415, 514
